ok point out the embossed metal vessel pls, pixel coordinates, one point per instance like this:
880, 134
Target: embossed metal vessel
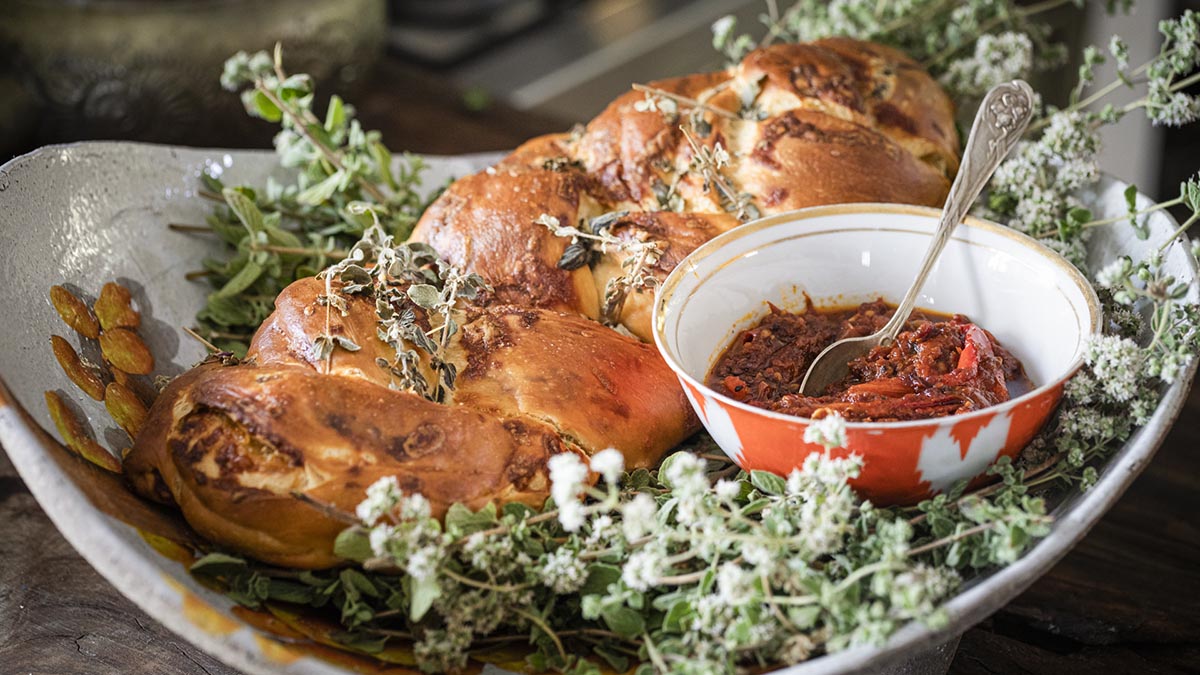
87, 213
149, 70
1035, 302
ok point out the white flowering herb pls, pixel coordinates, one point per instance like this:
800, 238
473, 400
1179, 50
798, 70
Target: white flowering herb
828, 431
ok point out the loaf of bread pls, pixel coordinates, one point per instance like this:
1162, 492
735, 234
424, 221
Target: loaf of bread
828, 122
248, 451
232, 445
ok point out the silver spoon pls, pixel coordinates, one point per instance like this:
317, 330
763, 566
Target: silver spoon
1002, 118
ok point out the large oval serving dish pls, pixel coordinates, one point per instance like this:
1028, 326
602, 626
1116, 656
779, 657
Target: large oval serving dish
84, 214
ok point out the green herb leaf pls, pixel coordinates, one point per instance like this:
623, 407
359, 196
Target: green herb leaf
423, 591
352, 544
623, 621
217, 564
335, 115
424, 295
768, 483
463, 521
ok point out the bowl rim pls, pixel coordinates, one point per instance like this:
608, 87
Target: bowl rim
1056, 261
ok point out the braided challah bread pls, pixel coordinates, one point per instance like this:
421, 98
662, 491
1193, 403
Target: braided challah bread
260, 454
232, 444
833, 121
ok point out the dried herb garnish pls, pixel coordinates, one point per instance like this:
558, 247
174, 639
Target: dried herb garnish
405, 281
594, 237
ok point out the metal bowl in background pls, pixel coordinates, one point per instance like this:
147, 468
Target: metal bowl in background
148, 70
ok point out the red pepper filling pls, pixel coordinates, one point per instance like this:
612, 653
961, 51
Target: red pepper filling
938, 365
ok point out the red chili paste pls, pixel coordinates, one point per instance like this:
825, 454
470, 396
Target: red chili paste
938, 365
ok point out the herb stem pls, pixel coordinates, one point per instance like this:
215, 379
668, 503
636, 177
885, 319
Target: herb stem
326, 508
655, 657
537, 621
183, 227
198, 338
301, 127
995, 487
944, 541
866, 571
1019, 13
1148, 210
468, 581
1179, 231
685, 100
333, 254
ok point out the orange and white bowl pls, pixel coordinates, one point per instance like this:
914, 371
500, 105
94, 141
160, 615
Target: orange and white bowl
1035, 302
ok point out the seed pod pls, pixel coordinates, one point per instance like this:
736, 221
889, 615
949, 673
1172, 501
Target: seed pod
114, 308
74, 312
75, 436
126, 409
82, 376
125, 351
121, 377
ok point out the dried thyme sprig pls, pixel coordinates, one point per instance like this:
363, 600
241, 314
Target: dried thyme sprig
709, 162
636, 266
416, 295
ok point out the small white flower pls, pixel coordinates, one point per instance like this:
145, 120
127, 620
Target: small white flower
1114, 273
1116, 363
757, 554
643, 568
415, 507
728, 490
567, 475
423, 563
720, 156
609, 464
563, 572
722, 28
571, 516
382, 497
637, 516
734, 584
829, 431
685, 474
379, 537
996, 59
602, 528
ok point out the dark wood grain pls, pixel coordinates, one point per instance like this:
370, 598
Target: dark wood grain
1125, 600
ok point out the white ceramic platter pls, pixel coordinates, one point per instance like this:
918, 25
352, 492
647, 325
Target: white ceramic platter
89, 213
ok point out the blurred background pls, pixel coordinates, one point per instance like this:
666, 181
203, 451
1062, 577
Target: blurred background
456, 76
147, 69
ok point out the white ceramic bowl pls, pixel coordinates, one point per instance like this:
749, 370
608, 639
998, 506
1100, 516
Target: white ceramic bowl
1035, 303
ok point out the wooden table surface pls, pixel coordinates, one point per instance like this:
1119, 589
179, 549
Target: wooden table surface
1127, 599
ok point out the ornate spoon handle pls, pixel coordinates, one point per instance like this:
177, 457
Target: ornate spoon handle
1002, 118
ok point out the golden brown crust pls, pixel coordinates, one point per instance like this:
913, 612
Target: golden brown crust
231, 444
832, 121
517, 257
596, 387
